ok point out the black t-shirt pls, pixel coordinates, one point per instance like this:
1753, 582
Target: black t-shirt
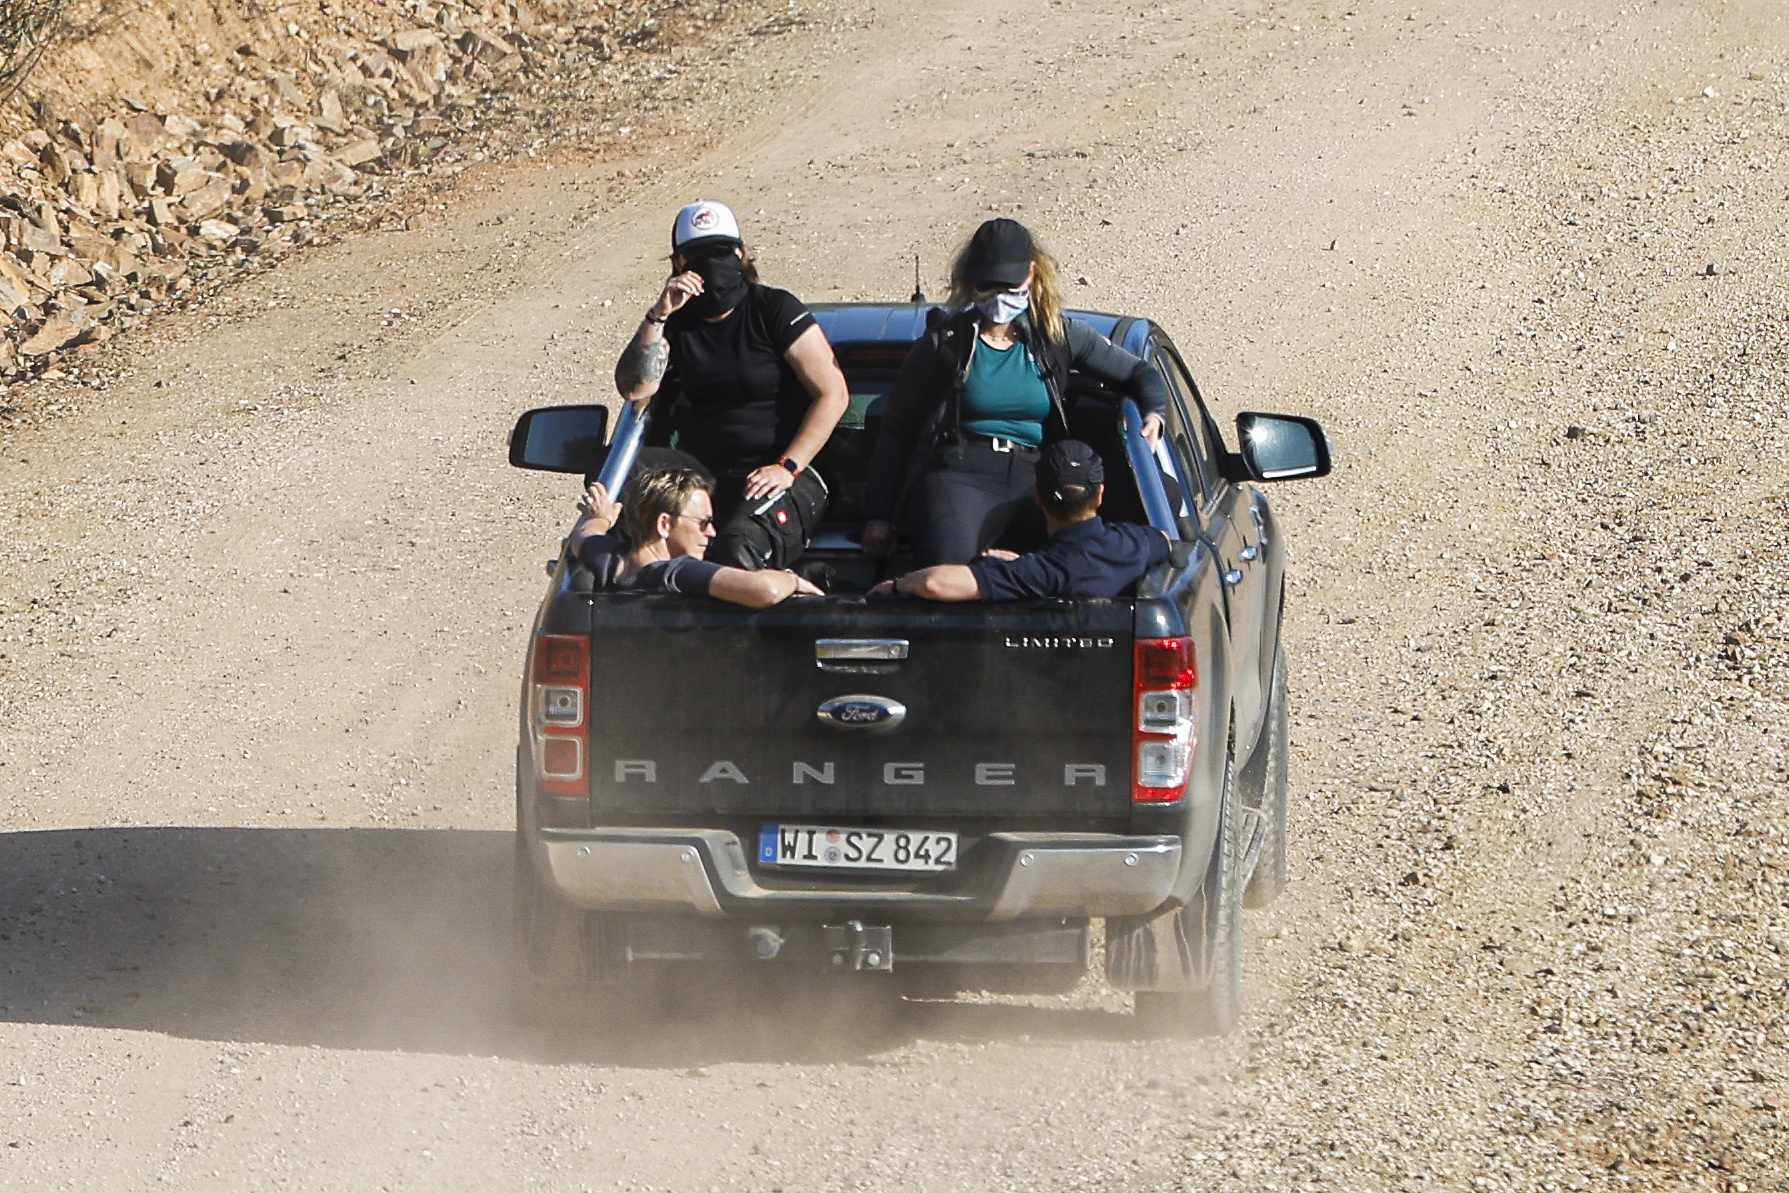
1095, 558
604, 553
686, 574
745, 402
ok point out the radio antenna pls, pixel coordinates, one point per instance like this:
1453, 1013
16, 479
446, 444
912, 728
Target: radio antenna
919, 295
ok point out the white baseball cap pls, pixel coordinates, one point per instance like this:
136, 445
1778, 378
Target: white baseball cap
705, 220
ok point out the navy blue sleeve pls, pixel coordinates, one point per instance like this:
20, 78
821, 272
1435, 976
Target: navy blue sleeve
1037, 574
1147, 547
1102, 561
1158, 546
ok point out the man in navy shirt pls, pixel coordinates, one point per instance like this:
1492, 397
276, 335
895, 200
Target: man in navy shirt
1087, 556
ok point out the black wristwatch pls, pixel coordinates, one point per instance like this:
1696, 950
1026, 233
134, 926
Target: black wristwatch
791, 465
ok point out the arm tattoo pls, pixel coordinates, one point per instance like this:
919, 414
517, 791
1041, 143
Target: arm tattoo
642, 364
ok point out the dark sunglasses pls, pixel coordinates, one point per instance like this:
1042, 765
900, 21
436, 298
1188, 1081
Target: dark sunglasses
701, 523
692, 257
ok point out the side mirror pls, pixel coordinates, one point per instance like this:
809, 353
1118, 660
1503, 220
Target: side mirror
560, 439
1281, 447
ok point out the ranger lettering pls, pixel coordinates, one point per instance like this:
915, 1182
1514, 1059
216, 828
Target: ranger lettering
894, 774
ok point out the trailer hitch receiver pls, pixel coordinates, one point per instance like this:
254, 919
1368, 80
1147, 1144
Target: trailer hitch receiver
856, 945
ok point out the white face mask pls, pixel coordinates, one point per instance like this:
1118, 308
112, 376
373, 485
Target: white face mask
1004, 306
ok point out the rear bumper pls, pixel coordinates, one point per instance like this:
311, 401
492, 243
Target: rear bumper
705, 872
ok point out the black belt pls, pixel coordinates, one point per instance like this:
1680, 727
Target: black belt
997, 443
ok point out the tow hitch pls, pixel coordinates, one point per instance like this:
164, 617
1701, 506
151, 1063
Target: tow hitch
856, 945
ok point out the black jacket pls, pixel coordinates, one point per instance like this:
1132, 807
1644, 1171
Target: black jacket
925, 406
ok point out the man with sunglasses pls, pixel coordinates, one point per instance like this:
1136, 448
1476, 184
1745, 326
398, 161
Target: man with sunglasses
667, 522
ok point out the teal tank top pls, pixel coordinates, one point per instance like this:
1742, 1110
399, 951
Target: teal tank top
1004, 395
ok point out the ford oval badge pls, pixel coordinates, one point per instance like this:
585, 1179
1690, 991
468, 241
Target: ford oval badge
862, 714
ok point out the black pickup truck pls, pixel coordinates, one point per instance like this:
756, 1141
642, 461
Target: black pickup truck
957, 796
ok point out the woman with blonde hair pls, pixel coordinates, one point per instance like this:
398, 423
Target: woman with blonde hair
979, 397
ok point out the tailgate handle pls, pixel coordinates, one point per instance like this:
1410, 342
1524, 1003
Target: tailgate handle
858, 655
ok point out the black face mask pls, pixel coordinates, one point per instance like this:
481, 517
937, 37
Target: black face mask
723, 284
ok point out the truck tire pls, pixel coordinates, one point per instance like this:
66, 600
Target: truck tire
1268, 781
1212, 926
545, 966
558, 975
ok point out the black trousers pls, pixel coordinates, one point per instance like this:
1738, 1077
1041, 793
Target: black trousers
972, 497
743, 540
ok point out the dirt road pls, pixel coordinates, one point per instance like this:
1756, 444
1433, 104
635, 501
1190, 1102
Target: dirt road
263, 598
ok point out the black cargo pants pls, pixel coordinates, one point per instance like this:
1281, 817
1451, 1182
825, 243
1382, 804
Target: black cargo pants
974, 495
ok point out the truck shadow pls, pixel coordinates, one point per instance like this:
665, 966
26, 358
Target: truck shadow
377, 939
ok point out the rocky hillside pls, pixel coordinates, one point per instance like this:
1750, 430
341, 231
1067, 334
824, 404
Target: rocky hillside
158, 150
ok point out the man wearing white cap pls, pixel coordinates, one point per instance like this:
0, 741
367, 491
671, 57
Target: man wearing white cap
759, 390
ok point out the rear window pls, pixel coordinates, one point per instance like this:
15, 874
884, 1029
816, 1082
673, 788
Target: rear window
845, 460
870, 372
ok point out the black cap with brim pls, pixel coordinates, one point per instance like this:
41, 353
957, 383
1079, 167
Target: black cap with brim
999, 255
1069, 462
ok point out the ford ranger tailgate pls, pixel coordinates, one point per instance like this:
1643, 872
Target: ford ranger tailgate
967, 710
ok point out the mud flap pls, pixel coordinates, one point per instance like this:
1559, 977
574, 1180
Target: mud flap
1152, 953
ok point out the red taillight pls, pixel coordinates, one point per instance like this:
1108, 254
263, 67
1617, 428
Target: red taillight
560, 755
561, 658
1166, 680
1165, 663
559, 709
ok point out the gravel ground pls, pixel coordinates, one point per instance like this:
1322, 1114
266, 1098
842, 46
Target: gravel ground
264, 593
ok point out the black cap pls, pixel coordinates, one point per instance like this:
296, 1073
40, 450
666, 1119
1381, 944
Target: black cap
1069, 462
999, 254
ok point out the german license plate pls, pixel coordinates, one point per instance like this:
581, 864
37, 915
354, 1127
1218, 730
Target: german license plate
856, 848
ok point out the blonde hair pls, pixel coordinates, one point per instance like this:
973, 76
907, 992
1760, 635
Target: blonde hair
647, 496
1046, 289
